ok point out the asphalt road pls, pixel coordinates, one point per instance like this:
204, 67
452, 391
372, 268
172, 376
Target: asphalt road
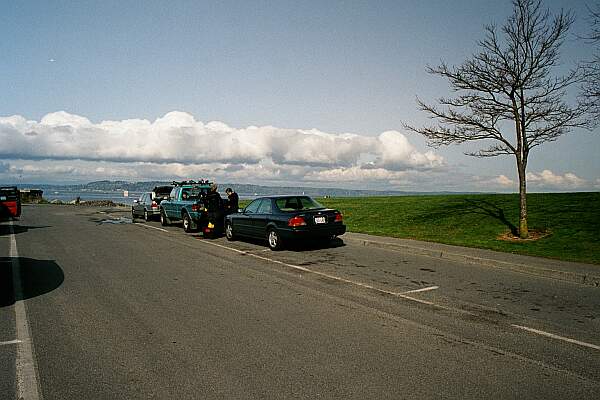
107, 309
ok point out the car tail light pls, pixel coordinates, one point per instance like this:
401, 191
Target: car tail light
296, 221
338, 217
154, 205
195, 207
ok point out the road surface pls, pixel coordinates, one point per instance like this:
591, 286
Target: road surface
93, 306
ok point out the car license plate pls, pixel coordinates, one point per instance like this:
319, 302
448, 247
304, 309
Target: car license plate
320, 220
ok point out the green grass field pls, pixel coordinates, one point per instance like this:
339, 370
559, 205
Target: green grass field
571, 219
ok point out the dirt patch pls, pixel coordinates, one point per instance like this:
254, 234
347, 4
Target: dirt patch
534, 234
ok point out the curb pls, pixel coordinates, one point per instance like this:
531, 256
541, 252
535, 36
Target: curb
568, 276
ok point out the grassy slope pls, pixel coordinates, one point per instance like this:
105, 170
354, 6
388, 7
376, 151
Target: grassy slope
477, 220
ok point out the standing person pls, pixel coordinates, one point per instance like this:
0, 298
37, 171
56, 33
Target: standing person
214, 207
233, 201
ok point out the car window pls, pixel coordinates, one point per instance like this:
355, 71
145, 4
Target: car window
265, 207
308, 203
252, 208
161, 191
289, 204
196, 192
173, 194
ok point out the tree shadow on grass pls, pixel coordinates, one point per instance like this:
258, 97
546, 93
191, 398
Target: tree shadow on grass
466, 207
484, 207
38, 277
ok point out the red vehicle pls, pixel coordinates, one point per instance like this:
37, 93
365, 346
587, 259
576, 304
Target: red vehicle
10, 202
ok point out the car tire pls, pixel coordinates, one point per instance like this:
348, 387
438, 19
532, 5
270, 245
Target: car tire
132, 216
274, 239
229, 232
164, 221
188, 225
146, 216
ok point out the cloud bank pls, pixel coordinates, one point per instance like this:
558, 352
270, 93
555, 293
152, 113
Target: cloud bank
179, 138
64, 147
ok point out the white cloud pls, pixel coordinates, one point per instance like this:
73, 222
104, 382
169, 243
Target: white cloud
177, 146
503, 180
548, 179
178, 137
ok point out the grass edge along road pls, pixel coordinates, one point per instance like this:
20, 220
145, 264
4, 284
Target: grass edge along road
569, 222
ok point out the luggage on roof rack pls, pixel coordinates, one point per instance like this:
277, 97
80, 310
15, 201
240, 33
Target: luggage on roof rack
192, 182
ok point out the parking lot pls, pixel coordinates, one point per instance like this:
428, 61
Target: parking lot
138, 310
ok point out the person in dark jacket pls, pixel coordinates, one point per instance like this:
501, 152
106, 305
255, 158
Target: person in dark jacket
232, 201
214, 208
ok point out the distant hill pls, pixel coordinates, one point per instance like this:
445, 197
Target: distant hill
240, 188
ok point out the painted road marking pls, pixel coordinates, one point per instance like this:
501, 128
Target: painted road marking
402, 295
426, 289
557, 337
16, 341
150, 226
26, 369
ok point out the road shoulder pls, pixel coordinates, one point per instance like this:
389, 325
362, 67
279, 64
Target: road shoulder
585, 274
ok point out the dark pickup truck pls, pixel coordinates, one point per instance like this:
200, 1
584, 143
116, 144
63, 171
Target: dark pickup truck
186, 204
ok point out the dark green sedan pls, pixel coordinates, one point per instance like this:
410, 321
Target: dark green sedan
280, 219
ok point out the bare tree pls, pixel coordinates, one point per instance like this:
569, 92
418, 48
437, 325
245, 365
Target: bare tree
590, 94
507, 90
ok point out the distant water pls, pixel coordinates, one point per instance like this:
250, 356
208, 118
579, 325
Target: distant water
67, 196
116, 197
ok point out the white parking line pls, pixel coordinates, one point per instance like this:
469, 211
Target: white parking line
426, 289
402, 295
26, 369
153, 227
337, 278
557, 337
16, 341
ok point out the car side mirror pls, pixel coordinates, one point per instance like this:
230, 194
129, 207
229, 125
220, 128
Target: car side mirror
240, 210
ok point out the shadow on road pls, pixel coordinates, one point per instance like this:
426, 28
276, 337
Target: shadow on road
5, 228
38, 277
298, 245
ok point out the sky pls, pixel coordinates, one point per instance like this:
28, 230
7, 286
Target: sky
310, 93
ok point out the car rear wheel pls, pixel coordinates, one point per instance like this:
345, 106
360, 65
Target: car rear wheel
229, 231
274, 239
146, 217
188, 225
132, 216
164, 221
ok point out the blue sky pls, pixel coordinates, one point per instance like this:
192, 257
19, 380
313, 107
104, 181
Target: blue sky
314, 92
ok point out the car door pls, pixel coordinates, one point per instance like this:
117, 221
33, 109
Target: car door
243, 221
147, 202
169, 206
138, 206
261, 218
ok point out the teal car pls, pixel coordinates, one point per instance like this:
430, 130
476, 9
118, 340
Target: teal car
186, 204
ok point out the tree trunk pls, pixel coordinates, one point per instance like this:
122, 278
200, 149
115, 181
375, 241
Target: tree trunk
523, 230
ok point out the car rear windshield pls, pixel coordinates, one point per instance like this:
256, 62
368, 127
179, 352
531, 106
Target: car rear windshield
162, 190
195, 193
9, 194
289, 204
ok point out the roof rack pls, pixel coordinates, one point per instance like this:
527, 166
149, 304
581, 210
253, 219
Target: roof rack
192, 182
